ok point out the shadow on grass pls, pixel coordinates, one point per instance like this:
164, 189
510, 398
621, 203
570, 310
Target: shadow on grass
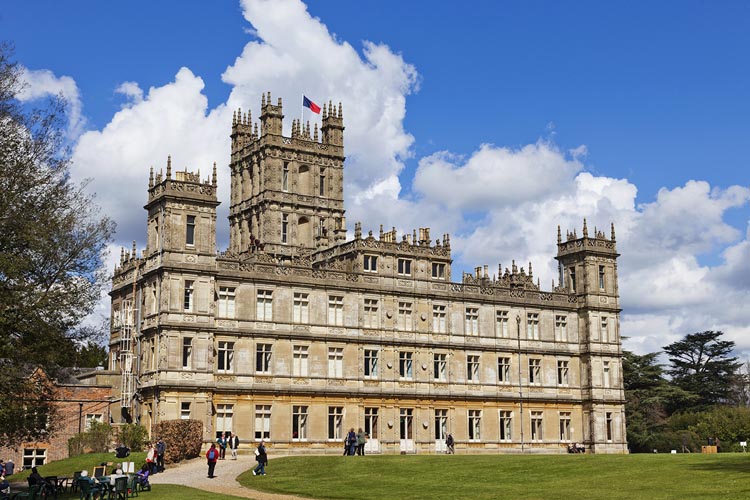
733, 466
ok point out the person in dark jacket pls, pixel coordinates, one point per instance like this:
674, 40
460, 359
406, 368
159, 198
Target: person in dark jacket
351, 439
36, 478
161, 448
262, 458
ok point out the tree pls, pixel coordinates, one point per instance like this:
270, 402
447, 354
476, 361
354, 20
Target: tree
702, 364
52, 240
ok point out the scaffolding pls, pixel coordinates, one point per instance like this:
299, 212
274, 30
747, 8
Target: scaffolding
126, 353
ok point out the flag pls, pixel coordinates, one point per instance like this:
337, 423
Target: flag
309, 104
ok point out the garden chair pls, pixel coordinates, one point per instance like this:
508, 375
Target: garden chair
87, 490
74, 484
51, 488
133, 486
121, 489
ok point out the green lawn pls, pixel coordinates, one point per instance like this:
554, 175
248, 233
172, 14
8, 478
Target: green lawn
475, 477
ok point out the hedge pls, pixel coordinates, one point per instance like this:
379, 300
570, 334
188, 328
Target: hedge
183, 439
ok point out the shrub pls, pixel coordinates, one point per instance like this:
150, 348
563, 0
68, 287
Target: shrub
183, 439
133, 436
98, 437
76, 444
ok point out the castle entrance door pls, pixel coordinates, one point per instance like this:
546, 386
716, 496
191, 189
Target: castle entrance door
441, 430
371, 429
406, 430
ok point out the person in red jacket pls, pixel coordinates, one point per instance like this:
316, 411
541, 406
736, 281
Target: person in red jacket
212, 455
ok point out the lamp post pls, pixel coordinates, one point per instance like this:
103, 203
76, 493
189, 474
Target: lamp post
520, 385
80, 415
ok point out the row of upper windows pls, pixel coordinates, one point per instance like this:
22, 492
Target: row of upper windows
336, 431
403, 267
573, 283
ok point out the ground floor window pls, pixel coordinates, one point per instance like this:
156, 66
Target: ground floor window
34, 457
299, 423
262, 422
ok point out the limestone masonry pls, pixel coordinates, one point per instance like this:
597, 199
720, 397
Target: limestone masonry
295, 334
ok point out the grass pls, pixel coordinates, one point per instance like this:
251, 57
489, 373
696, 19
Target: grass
476, 477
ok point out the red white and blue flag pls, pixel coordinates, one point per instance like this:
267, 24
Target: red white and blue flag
311, 105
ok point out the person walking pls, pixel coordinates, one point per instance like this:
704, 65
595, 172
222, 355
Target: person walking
450, 444
161, 448
352, 441
222, 441
262, 458
234, 443
212, 455
361, 440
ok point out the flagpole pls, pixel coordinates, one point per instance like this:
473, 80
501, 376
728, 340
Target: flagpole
302, 111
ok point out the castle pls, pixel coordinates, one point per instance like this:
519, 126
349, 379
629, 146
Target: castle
294, 334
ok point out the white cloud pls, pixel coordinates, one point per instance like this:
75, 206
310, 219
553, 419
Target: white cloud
132, 92
43, 83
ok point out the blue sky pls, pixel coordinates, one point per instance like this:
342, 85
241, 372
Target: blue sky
536, 113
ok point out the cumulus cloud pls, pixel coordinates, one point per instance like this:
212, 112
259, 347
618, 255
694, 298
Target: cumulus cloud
43, 83
132, 92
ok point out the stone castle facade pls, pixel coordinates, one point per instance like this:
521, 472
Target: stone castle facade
295, 335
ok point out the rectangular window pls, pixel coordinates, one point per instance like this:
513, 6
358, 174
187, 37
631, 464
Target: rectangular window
608, 422
190, 231
573, 283
438, 271
561, 328
404, 267
187, 352
371, 263
501, 324
405, 368
225, 359
404, 316
562, 373
565, 426
601, 277
471, 323
322, 191
264, 305
184, 411
284, 228
224, 414
532, 326
299, 423
301, 312
606, 380
371, 313
93, 417
537, 428
285, 177
506, 425
604, 330
503, 370
299, 361
371, 363
335, 310
472, 368
440, 367
34, 457
441, 424
226, 302
263, 358
262, 422
535, 371
335, 423
475, 425
335, 362
371, 422
438, 319
188, 297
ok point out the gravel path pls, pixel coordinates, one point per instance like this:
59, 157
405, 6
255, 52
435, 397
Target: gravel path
193, 473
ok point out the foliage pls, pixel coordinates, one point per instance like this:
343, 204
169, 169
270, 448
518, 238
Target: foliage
183, 439
26, 405
702, 365
96, 439
134, 436
52, 240
729, 425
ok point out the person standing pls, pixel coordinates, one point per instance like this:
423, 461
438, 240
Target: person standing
9, 468
161, 448
450, 443
352, 440
151, 459
234, 443
262, 458
212, 455
222, 441
361, 440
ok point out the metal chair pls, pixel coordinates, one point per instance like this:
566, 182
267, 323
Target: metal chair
121, 489
133, 486
87, 490
74, 484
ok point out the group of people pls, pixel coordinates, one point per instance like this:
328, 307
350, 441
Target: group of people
217, 452
354, 442
228, 440
155, 456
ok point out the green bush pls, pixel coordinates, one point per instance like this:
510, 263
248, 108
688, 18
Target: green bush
76, 444
98, 437
183, 439
133, 436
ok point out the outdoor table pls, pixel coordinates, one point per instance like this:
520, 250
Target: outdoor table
63, 482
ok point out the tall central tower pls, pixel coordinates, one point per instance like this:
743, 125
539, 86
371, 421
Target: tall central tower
287, 192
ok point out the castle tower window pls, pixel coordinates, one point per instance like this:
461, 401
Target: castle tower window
371, 313
190, 231
573, 280
405, 368
301, 313
371, 363
299, 361
299, 423
532, 326
371, 263
601, 277
503, 370
475, 425
501, 324
606, 380
335, 310
438, 319
187, 352
604, 330
440, 367
262, 422
471, 323
562, 373
335, 362
322, 187
561, 328
608, 423
335, 423
535, 371
565, 434
185, 411
226, 302
285, 228
225, 357
285, 177
264, 305
537, 426
404, 267
506, 425
224, 414
438, 271
263, 358
472, 368
188, 296
404, 316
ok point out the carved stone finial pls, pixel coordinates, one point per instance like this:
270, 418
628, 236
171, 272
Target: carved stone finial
559, 235
213, 176
169, 167
262, 100
613, 232
585, 229
151, 178
341, 112
531, 273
